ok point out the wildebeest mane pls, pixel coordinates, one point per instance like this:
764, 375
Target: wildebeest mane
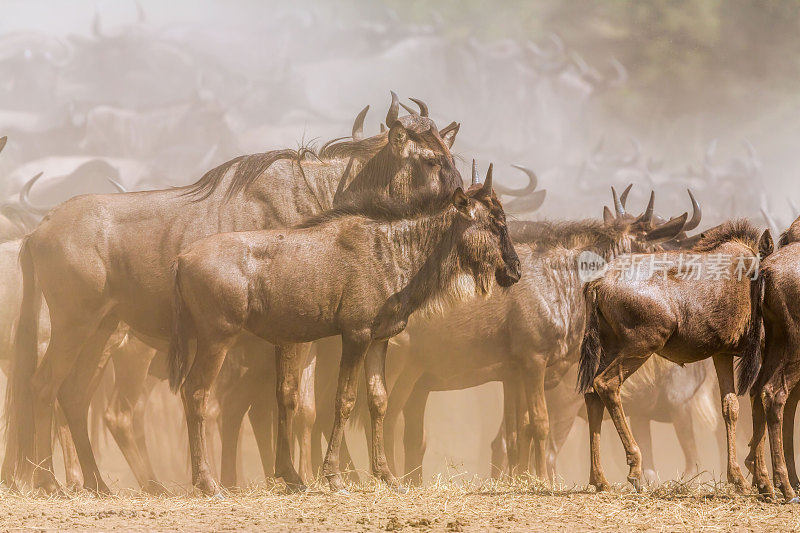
739, 229
545, 235
384, 208
250, 167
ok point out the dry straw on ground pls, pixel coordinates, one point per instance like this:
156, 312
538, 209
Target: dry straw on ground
522, 504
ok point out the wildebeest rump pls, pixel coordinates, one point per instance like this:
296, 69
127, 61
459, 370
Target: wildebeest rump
101, 259
647, 307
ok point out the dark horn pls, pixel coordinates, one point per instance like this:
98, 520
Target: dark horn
487, 183
617, 205
25, 201
668, 230
358, 124
647, 216
3, 141
409, 109
475, 179
624, 196
526, 204
117, 185
394, 109
697, 214
423, 107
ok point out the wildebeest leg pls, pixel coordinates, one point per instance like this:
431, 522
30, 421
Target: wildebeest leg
684, 430
723, 364
533, 374
640, 428
594, 412
788, 435
414, 441
139, 434
307, 415
525, 433
375, 374
774, 395
233, 406
498, 446
75, 395
353, 351
262, 419
401, 391
511, 397
287, 365
607, 385
194, 393
72, 467
130, 376
756, 459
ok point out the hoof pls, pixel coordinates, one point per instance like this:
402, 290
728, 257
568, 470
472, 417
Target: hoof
794, 500
218, 496
207, 486
154, 488
637, 483
295, 488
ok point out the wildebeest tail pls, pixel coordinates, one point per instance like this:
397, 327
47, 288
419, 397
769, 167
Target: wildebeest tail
19, 394
591, 349
750, 360
178, 357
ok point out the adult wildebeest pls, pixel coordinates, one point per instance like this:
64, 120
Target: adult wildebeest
682, 306
519, 336
389, 260
102, 259
775, 394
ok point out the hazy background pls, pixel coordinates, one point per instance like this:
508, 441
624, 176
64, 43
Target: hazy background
707, 90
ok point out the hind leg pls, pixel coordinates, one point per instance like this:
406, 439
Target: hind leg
498, 462
307, 415
262, 415
607, 385
72, 465
233, 407
640, 429
398, 398
774, 395
723, 364
75, 395
195, 392
684, 430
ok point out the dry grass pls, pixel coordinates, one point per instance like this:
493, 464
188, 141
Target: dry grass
451, 504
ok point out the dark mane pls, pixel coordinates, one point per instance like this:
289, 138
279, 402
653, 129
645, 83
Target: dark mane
791, 234
384, 208
250, 167
739, 229
544, 235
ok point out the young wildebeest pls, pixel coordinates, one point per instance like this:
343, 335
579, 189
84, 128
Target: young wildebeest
521, 336
685, 306
775, 394
102, 259
358, 272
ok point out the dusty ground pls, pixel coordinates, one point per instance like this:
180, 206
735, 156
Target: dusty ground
523, 505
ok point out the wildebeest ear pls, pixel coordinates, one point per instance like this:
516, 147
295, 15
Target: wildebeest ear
462, 202
765, 244
608, 217
449, 132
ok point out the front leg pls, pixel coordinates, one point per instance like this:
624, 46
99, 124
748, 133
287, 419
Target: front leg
353, 350
723, 364
287, 368
375, 374
607, 385
533, 374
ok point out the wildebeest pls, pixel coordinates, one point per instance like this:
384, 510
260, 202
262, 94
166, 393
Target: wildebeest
389, 259
775, 394
102, 259
682, 306
523, 337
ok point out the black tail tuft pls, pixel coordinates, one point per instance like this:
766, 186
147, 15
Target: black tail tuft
750, 360
177, 359
591, 349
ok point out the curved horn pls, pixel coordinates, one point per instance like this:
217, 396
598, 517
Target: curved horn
697, 214
624, 196
3, 141
668, 230
409, 109
394, 109
487, 183
383, 127
533, 182
25, 201
475, 179
526, 204
358, 124
647, 216
620, 210
117, 185
423, 107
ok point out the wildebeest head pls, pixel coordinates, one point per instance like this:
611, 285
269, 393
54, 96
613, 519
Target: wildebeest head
486, 246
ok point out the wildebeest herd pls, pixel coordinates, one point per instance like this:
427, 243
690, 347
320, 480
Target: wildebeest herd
377, 241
